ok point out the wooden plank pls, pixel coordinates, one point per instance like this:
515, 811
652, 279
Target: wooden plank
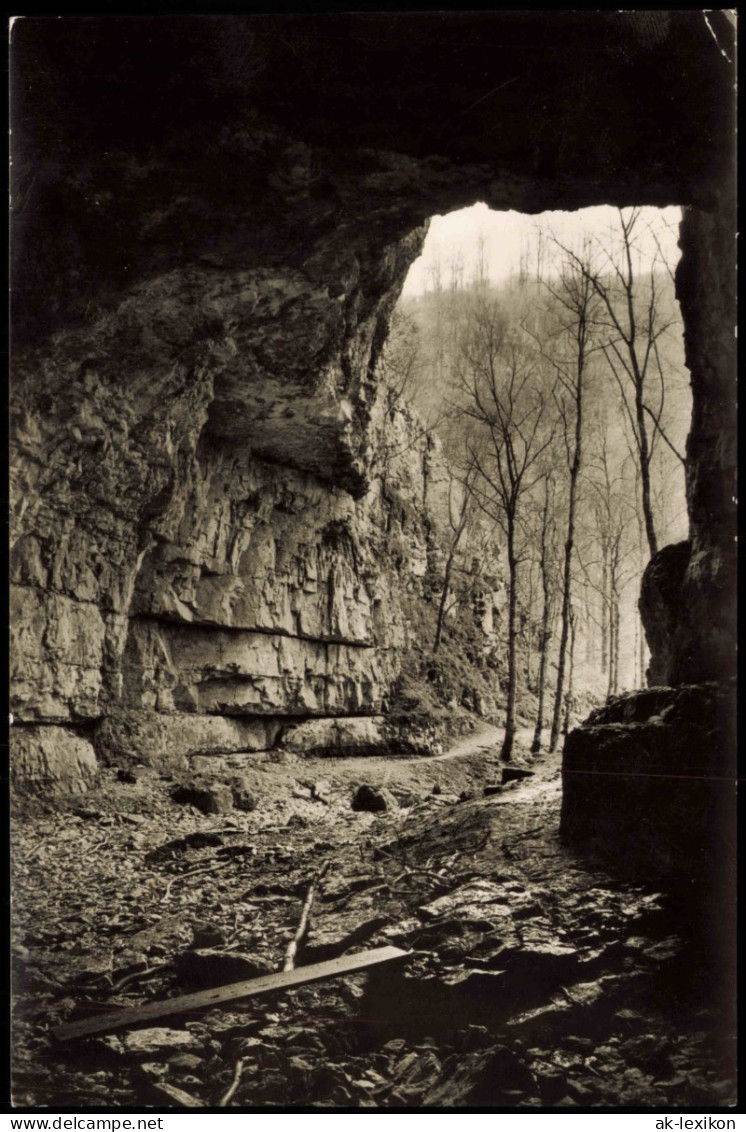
281, 980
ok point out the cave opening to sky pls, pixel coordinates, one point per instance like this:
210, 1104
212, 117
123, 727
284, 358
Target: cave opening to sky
517, 260
508, 242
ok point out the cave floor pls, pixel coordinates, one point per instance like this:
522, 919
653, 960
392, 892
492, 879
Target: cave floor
539, 978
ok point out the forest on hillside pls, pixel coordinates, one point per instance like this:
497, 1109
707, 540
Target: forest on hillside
562, 402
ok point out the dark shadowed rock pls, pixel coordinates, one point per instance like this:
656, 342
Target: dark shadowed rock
297, 821
244, 795
199, 839
516, 773
207, 935
210, 799
130, 775
649, 780
373, 800
479, 1079
203, 967
660, 602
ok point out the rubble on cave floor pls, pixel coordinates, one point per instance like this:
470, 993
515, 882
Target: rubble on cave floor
537, 979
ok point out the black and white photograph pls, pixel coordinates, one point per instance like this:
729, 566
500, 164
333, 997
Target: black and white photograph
372, 604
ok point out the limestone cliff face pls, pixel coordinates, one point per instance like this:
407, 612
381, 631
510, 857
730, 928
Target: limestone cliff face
174, 591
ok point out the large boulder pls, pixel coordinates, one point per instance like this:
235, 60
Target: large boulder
660, 604
51, 760
362, 735
649, 781
208, 797
167, 741
373, 800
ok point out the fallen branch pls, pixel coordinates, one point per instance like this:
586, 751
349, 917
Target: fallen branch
34, 853
296, 941
281, 980
138, 975
230, 1092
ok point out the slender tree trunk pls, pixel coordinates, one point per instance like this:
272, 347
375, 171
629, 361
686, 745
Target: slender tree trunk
546, 631
529, 607
567, 580
614, 622
604, 611
638, 378
565, 630
458, 532
610, 684
506, 753
640, 627
581, 339
642, 440
443, 602
570, 674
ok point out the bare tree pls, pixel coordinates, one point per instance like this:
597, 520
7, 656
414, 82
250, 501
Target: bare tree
568, 349
633, 328
481, 272
610, 544
506, 394
546, 545
569, 697
459, 515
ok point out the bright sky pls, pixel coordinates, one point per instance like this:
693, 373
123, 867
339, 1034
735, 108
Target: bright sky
507, 234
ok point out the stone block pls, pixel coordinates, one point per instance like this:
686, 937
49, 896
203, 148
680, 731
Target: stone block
365, 735
210, 798
373, 800
51, 760
650, 780
168, 741
57, 650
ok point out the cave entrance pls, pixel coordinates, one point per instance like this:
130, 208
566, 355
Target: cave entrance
524, 276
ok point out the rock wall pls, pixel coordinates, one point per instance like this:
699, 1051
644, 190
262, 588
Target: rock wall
175, 594
660, 603
704, 641
688, 600
649, 781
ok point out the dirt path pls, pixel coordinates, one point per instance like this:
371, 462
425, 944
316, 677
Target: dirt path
466, 768
537, 979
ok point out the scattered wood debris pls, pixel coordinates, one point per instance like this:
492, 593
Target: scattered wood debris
184, 1004
300, 935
